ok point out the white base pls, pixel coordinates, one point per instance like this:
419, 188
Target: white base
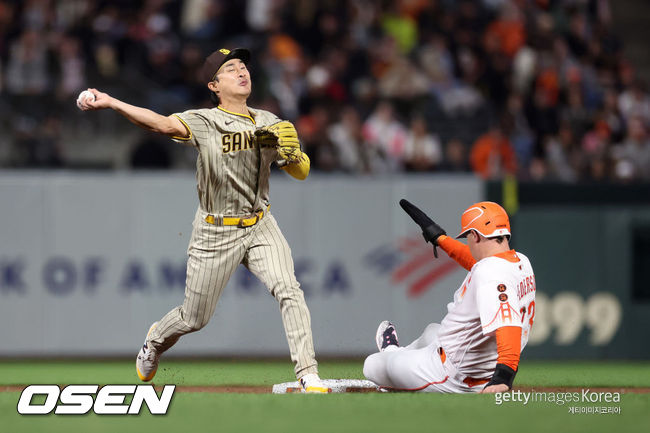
336, 385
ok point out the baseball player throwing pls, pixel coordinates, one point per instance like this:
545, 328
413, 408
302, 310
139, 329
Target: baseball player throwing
477, 345
236, 146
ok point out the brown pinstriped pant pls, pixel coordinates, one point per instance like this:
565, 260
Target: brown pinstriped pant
214, 254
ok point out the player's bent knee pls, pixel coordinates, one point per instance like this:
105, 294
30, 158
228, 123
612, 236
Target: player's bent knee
200, 324
373, 367
398, 365
193, 320
196, 324
287, 292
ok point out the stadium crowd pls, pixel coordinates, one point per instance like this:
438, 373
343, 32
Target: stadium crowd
538, 89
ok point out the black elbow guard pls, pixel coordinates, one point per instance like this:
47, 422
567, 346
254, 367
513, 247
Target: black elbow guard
503, 374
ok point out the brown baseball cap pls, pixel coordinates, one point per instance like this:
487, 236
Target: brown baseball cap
214, 61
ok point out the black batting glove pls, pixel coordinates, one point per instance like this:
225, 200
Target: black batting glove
430, 230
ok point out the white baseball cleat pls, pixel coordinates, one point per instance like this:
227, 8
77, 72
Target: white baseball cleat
312, 384
146, 364
386, 335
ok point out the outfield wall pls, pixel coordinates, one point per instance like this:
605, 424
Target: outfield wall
88, 261
591, 249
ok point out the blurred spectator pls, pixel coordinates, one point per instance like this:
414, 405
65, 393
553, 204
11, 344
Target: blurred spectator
562, 155
401, 27
437, 62
508, 30
455, 157
635, 102
632, 156
538, 170
541, 109
347, 137
596, 142
492, 155
578, 34
312, 130
422, 150
547, 66
286, 79
598, 169
521, 134
202, 19
462, 96
403, 80
575, 113
71, 68
259, 14
27, 68
386, 136
612, 116
523, 69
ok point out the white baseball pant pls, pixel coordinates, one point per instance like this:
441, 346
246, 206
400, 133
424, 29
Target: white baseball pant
416, 367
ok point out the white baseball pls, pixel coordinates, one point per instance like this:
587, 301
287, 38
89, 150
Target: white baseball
83, 96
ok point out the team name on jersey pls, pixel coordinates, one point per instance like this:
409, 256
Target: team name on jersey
237, 141
526, 286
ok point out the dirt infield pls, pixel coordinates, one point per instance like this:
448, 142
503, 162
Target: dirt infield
249, 389
226, 389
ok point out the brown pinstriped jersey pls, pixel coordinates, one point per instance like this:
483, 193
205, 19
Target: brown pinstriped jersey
232, 172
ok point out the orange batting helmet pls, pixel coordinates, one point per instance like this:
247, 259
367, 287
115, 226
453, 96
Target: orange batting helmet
487, 218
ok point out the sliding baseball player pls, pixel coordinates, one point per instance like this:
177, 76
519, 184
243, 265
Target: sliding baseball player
236, 146
476, 347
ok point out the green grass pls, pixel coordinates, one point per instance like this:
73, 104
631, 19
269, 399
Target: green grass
394, 413
191, 372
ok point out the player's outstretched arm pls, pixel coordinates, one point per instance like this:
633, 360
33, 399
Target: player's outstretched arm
435, 234
143, 117
457, 251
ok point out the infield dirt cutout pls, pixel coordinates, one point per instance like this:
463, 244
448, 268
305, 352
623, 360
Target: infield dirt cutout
259, 389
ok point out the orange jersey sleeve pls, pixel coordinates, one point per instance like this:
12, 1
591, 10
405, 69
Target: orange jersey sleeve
509, 346
457, 251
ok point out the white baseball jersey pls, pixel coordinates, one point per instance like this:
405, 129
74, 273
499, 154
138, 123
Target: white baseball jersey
498, 291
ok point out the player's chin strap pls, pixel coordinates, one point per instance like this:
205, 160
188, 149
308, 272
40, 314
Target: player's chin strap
502, 374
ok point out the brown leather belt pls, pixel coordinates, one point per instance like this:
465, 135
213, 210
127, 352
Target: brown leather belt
469, 381
237, 221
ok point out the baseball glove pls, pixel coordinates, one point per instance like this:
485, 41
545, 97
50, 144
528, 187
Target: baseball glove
283, 137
